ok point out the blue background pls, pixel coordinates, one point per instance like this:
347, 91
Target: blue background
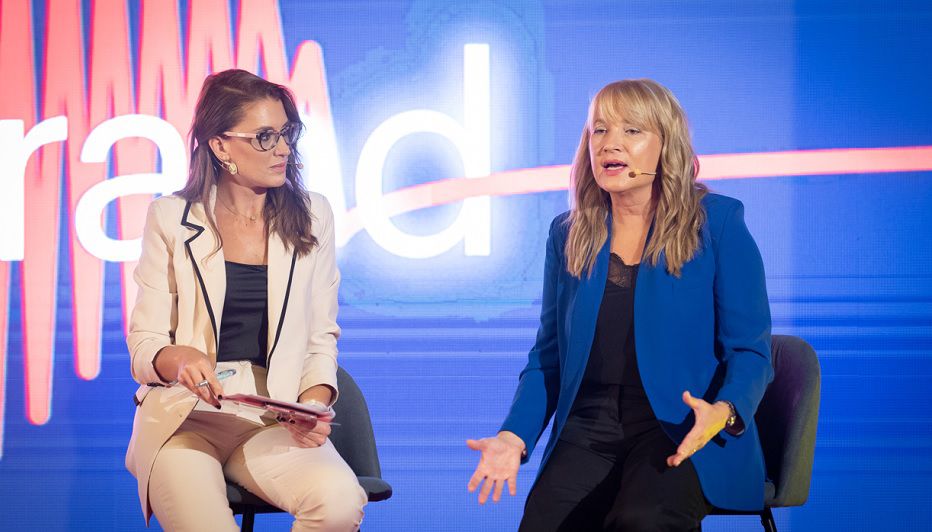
436, 344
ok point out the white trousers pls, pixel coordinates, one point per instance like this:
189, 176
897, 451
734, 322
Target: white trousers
187, 489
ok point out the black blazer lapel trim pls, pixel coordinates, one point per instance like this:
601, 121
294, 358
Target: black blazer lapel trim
187, 244
281, 318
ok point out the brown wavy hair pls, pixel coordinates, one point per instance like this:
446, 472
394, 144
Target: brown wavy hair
220, 106
676, 197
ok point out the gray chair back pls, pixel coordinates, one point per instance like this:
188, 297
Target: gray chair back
355, 440
787, 418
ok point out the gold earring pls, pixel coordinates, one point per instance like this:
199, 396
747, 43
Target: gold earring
231, 167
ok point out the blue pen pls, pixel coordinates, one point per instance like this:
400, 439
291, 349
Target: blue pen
225, 373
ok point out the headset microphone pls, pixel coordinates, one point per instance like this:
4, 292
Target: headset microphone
637, 171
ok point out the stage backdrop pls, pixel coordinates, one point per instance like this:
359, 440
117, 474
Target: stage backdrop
441, 133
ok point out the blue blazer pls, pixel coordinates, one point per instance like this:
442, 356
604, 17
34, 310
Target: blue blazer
707, 331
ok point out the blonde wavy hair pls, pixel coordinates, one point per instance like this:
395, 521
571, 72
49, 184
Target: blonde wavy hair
676, 197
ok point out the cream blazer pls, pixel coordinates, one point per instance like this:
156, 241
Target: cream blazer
181, 289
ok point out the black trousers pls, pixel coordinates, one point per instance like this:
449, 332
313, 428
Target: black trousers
631, 489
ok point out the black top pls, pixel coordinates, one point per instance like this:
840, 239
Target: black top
611, 402
244, 328
612, 359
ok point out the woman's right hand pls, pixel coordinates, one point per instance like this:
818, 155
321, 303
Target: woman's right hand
498, 465
189, 367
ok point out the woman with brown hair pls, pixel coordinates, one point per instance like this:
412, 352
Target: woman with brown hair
653, 350
238, 281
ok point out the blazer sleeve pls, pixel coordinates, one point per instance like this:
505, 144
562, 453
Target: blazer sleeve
539, 383
320, 363
153, 320
742, 316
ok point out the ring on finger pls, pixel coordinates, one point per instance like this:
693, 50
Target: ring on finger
203, 383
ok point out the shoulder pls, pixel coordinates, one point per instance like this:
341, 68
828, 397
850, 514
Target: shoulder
560, 227
721, 211
321, 211
167, 204
717, 205
167, 210
165, 218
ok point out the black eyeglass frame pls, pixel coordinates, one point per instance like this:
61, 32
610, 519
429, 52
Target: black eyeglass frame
291, 131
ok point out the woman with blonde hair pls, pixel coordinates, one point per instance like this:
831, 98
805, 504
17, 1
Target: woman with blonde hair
238, 294
653, 349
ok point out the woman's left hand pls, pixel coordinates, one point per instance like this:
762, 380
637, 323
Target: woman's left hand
308, 433
710, 420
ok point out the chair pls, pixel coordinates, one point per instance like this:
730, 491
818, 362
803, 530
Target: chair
786, 421
353, 439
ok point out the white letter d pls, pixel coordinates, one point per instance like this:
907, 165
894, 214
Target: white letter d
472, 140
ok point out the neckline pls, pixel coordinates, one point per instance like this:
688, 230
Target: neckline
614, 255
260, 266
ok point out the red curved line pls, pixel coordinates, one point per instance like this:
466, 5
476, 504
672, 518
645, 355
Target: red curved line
712, 167
816, 162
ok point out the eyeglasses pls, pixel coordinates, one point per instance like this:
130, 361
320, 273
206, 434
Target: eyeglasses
267, 139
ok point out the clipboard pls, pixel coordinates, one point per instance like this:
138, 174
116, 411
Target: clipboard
283, 411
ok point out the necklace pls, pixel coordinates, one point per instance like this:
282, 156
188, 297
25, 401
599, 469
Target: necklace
237, 213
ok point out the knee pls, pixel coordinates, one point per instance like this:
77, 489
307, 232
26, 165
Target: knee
335, 503
651, 517
636, 517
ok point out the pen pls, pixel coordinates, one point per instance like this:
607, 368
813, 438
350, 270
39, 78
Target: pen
222, 374
225, 373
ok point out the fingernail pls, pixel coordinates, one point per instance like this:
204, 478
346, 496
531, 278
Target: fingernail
217, 407
220, 398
